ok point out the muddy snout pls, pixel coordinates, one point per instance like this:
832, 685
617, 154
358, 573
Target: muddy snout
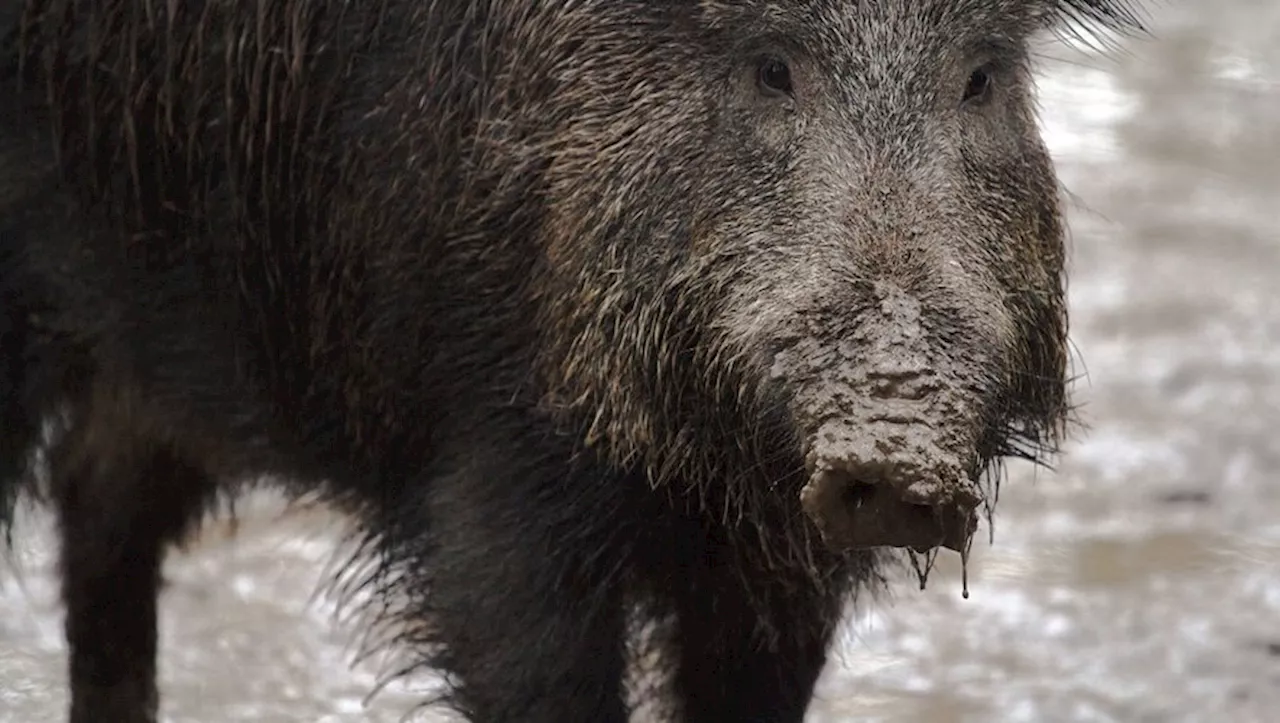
888, 485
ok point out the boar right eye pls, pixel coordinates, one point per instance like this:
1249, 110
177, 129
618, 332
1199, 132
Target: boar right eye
978, 87
773, 77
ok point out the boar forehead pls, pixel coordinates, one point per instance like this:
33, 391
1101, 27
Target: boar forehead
959, 21
864, 21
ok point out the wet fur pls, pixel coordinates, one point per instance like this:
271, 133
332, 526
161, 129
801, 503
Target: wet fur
348, 246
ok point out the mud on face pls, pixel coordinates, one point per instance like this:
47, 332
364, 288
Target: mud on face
817, 242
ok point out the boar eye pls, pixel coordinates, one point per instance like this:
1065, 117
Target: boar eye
773, 77
979, 86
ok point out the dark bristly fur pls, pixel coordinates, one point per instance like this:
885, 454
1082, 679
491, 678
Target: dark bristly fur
504, 280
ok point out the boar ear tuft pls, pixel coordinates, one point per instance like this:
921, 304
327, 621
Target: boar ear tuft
1123, 16
1089, 21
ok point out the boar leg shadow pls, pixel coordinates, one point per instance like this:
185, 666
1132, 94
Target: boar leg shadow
126, 477
751, 646
525, 584
118, 509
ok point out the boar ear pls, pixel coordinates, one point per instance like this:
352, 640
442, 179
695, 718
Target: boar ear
1122, 16
1084, 19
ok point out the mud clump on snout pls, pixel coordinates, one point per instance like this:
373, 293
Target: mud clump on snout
888, 484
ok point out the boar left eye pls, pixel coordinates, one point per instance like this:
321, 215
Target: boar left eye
978, 89
773, 77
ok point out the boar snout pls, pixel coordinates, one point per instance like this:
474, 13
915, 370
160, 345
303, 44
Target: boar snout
888, 484
891, 422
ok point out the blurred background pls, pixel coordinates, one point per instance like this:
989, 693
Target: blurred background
1139, 582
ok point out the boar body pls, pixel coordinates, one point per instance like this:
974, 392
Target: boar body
579, 309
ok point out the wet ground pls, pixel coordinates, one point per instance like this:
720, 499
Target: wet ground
1140, 582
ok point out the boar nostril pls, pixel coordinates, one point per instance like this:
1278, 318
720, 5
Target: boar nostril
858, 494
854, 513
